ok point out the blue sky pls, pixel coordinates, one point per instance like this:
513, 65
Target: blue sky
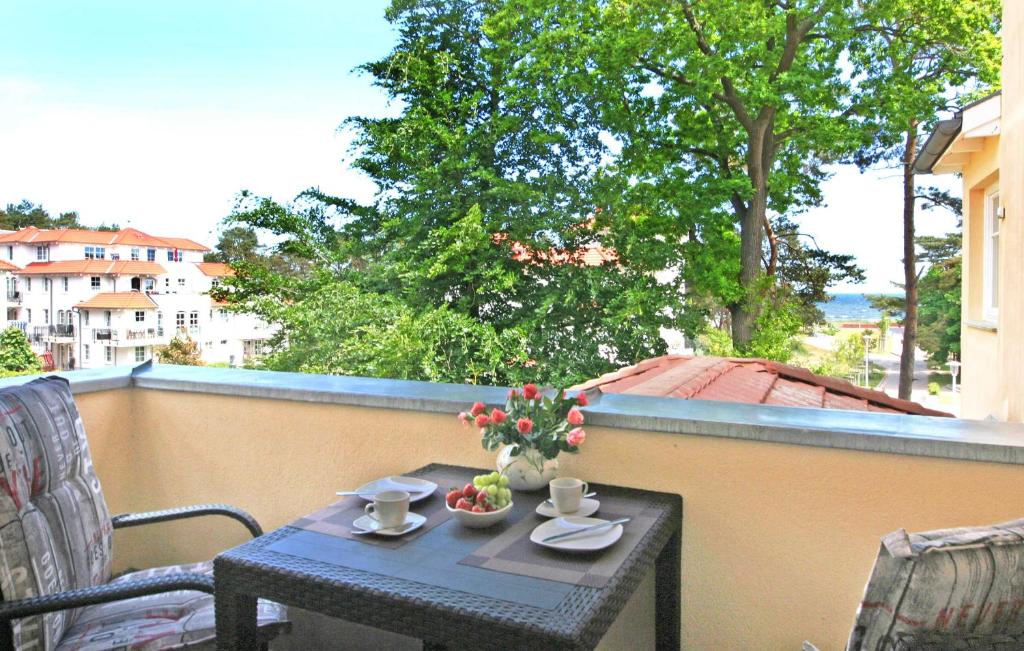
155, 115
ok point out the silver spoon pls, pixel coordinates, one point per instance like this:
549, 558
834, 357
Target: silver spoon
549, 502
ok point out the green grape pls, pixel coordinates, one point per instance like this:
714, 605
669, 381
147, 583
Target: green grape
507, 494
503, 481
492, 490
495, 477
478, 480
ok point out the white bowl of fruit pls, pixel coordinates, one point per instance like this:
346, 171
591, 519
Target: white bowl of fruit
485, 502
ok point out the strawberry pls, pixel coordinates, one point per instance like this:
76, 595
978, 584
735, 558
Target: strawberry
464, 504
453, 497
481, 497
478, 509
469, 492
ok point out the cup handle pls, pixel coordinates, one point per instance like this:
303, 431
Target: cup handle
371, 511
586, 489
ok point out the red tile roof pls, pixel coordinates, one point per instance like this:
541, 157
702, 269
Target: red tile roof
216, 269
755, 381
127, 236
7, 266
116, 267
119, 301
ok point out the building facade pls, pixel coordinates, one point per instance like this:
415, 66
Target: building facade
102, 298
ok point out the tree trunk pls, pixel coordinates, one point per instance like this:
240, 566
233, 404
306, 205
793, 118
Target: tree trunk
907, 357
745, 312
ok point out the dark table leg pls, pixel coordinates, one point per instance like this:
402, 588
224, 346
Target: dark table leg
236, 621
667, 594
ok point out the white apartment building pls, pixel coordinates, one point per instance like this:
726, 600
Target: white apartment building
102, 298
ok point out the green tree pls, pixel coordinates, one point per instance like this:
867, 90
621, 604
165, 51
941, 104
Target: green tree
15, 353
939, 298
917, 58
235, 243
182, 350
722, 111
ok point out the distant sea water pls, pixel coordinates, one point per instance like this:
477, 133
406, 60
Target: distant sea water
849, 307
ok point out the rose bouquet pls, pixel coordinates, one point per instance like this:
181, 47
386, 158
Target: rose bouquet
531, 421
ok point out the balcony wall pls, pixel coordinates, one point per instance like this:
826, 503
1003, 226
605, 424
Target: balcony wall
783, 507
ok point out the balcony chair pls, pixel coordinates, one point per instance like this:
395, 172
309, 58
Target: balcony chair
56, 543
944, 590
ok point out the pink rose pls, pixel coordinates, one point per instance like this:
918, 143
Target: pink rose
464, 417
530, 391
575, 417
524, 425
498, 416
478, 408
512, 393
482, 420
576, 436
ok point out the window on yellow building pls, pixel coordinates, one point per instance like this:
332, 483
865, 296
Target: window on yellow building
991, 274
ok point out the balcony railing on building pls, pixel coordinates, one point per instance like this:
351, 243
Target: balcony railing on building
57, 332
127, 335
14, 297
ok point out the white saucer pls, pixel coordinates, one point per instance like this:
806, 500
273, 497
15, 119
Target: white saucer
584, 542
588, 506
413, 521
418, 489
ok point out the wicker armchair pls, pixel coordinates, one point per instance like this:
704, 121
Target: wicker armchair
56, 545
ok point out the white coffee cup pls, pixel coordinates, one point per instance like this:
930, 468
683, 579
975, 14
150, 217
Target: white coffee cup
566, 493
389, 508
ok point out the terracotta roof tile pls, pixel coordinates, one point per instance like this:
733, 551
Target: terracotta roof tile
127, 236
119, 301
7, 266
754, 381
115, 267
216, 269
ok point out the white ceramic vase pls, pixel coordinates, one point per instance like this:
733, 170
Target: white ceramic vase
527, 471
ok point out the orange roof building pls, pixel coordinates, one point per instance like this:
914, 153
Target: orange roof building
127, 237
93, 267
215, 269
7, 266
752, 381
118, 301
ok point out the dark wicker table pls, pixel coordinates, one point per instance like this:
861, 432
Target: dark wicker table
445, 617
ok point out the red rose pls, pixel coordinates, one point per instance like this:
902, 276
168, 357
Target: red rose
478, 408
575, 417
581, 399
482, 420
530, 391
498, 416
524, 425
576, 436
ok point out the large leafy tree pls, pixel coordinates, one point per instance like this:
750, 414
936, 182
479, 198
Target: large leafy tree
721, 111
916, 58
25, 214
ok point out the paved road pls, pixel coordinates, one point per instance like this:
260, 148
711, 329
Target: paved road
891, 363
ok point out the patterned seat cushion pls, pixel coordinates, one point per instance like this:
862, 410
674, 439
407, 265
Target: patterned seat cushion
171, 620
55, 531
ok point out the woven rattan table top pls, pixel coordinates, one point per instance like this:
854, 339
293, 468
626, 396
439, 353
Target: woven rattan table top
442, 613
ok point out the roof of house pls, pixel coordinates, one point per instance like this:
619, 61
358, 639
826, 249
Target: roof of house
127, 236
119, 301
216, 269
7, 266
754, 381
115, 267
946, 134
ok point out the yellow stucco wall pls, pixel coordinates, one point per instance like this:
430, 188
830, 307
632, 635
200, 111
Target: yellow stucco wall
980, 385
1011, 161
778, 540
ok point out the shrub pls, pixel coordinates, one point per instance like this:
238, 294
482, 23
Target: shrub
933, 388
15, 353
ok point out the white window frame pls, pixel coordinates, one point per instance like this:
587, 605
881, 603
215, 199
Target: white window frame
140, 316
107, 317
95, 282
42, 253
46, 316
85, 317
990, 273
64, 283
85, 352
28, 284
135, 254
108, 354
140, 353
